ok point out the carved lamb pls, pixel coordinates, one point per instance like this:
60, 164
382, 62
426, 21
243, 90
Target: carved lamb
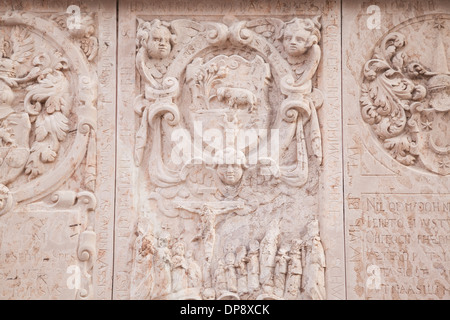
237, 97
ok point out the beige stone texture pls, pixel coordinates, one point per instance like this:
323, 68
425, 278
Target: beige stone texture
57, 142
396, 150
227, 70
225, 150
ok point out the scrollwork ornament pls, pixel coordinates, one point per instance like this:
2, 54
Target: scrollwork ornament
405, 102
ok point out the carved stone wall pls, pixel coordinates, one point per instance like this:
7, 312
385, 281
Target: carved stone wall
57, 111
224, 150
222, 159
396, 151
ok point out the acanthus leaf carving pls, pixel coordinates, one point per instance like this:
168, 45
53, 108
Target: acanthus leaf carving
41, 106
403, 101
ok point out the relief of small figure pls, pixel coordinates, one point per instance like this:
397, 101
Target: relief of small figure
300, 42
281, 267
230, 269
142, 275
267, 256
179, 267
241, 269
162, 267
220, 278
295, 270
194, 272
315, 264
253, 266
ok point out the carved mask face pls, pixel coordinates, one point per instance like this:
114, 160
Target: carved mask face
295, 42
158, 45
230, 174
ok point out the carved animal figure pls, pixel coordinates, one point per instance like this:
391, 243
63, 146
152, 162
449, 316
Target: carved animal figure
237, 97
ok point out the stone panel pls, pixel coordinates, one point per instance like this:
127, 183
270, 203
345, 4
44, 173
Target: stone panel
229, 175
396, 149
57, 113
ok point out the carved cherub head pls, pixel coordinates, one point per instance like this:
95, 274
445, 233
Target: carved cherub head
156, 38
300, 35
230, 166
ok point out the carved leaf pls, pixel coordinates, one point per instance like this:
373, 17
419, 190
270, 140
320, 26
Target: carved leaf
400, 148
51, 122
22, 44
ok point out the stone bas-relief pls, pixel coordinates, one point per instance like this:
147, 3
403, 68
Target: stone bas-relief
228, 127
228, 176
48, 155
406, 101
397, 184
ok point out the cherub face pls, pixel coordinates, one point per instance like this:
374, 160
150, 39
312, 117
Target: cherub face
158, 44
295, 42
230, 174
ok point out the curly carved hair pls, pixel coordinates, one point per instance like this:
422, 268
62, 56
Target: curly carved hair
311, 25
145, 29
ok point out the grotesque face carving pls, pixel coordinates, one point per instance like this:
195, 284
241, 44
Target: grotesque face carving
158, 43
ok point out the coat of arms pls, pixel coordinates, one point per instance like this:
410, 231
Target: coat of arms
407, 102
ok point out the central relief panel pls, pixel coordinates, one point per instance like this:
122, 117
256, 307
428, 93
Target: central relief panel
224, 160
227, 137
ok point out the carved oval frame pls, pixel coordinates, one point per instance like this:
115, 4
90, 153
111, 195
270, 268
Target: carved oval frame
375, 148
84, 109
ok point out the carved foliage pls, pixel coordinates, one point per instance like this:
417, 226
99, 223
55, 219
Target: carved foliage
402, 101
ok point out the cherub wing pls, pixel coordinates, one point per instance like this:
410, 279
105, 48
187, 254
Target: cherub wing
185, 30
270, 28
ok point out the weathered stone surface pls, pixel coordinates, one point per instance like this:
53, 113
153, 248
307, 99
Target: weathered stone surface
57, 111
248, 165
224, 153
396, 150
